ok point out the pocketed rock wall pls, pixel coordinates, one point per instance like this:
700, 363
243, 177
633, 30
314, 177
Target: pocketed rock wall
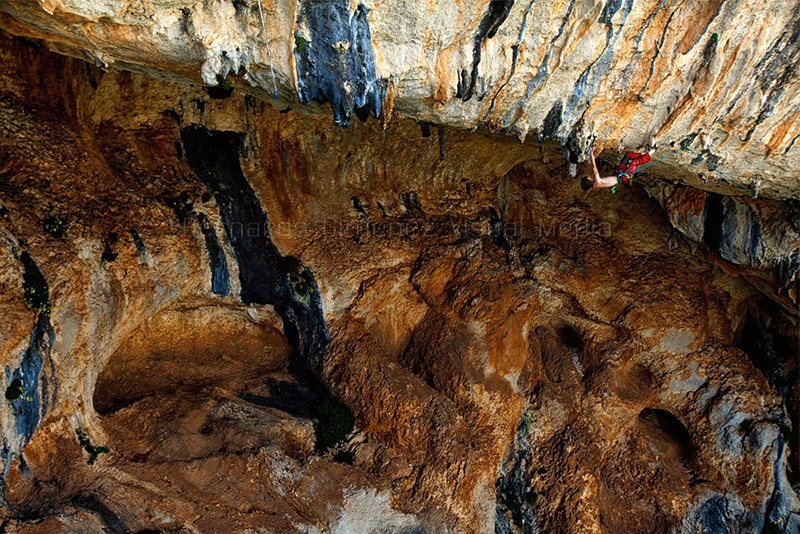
517, 356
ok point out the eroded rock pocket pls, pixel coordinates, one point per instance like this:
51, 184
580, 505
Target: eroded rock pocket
188, 350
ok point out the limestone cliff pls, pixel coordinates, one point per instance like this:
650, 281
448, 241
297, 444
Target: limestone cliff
721, 74
223, 313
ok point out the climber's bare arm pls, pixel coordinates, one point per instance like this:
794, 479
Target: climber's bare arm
601, 181
594, 168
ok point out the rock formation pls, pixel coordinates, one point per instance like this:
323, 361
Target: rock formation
224, 312
720, 74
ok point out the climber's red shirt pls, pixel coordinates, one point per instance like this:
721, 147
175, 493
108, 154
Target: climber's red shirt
629, 164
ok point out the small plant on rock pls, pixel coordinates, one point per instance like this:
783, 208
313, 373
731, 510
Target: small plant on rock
334, 422
223, 89
525, 424
14, 390
36, 296
300, 42
56, 226
303, 289
34, 286
226, 84
94, 452
301, 278
37, 299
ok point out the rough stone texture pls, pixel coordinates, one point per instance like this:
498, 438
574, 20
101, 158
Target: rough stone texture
757, 239
518, 356
719, 73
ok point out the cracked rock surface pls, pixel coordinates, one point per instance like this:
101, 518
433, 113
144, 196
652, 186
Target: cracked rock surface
258, 321
719, 73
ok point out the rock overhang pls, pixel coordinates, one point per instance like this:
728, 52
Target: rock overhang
613, 74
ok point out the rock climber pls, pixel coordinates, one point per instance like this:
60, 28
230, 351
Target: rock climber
630, 162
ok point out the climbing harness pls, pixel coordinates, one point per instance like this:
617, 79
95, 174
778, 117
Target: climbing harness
269, 54
619, 178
